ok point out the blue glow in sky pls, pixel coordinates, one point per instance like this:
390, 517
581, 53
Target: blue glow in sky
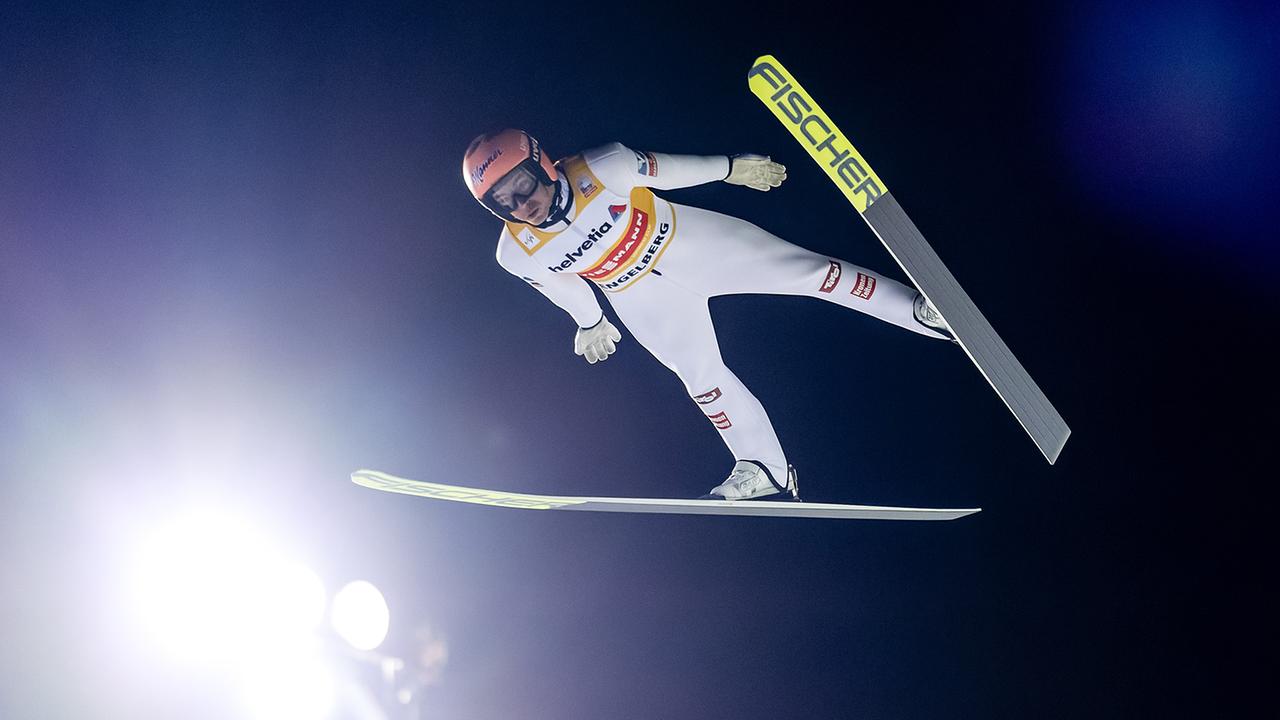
1169, 116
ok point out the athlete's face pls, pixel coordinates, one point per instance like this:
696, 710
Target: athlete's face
536, 207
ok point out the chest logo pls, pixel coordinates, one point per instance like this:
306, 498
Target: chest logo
572, 257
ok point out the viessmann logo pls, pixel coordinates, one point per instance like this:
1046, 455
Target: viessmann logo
625, 249
801, 113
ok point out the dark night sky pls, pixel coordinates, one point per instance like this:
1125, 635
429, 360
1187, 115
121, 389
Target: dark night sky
237, 262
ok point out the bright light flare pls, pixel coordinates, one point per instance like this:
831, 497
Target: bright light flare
360, 615
300, 687
209, 588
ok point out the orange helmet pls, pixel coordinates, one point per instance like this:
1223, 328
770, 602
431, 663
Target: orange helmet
502, 169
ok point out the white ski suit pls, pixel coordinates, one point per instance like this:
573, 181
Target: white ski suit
659, 263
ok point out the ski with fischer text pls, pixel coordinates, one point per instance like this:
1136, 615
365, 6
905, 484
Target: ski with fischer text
845, 166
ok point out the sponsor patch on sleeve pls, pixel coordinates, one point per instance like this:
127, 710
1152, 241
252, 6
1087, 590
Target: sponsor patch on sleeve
864, 287
646, 164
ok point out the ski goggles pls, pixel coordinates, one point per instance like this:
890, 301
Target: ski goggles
512, 190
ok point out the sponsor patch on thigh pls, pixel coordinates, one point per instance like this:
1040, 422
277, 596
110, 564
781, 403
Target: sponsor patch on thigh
708, 397
864, 287
720, 420
833, 278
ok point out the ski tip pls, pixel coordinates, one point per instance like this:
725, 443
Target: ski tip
763, 60
368, 478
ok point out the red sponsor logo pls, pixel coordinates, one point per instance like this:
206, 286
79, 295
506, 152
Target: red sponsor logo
624, 250
653, 164
864, 287
708, 397
833, 278
720, 420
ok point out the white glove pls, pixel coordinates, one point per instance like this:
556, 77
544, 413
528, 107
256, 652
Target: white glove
597, 341
757, 172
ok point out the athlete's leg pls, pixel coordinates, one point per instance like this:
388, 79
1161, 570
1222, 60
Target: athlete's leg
716, 254
674, 324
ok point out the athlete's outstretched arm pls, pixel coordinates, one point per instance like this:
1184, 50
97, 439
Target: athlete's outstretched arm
568, 291
619, 165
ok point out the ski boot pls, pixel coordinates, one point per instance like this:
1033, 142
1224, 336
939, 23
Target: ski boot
751, 480
927, 315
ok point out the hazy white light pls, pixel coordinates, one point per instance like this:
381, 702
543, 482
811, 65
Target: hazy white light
210, 588
359, 614
296, 602
298, 687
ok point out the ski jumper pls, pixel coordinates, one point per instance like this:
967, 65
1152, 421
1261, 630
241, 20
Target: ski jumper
659, 263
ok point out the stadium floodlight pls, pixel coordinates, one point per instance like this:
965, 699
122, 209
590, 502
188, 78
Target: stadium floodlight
360, 616
208, 588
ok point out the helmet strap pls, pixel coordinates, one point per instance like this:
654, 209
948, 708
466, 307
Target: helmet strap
561, 203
